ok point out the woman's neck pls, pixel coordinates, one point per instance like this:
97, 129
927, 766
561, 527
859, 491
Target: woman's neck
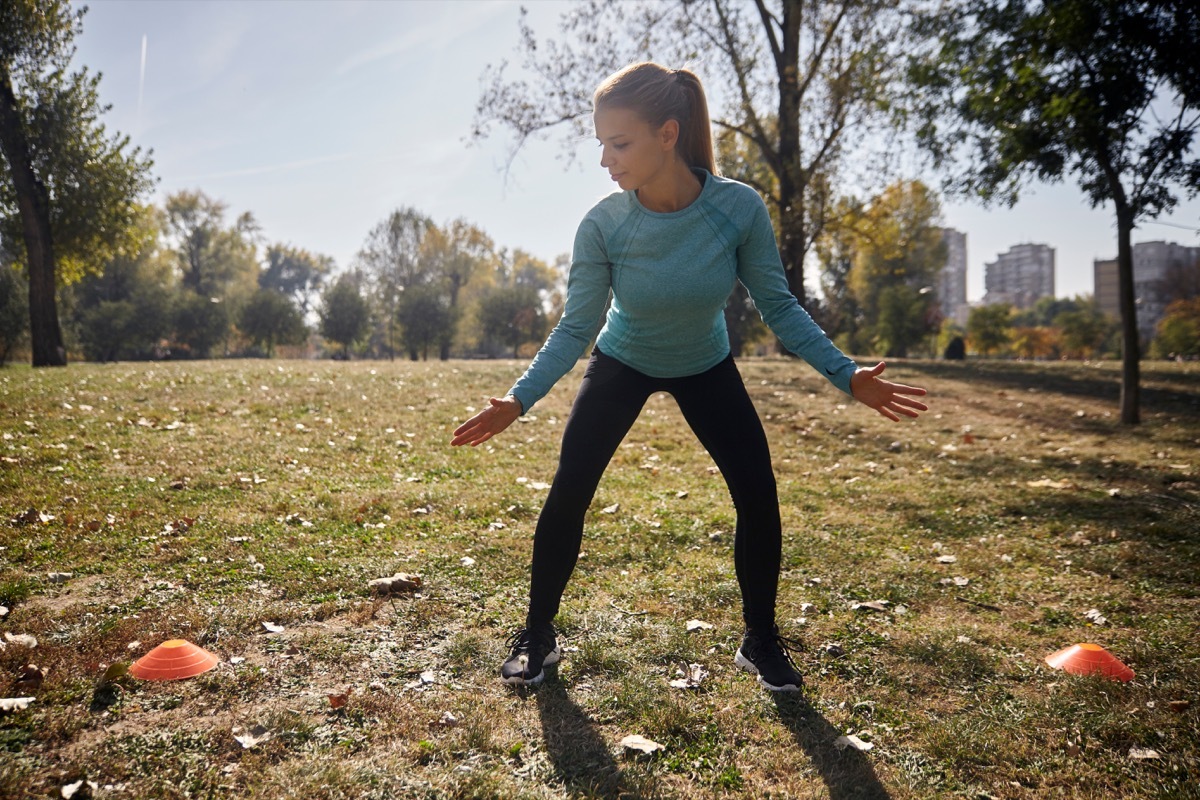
677, 189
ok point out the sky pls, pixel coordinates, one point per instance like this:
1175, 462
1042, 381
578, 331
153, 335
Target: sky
320, 118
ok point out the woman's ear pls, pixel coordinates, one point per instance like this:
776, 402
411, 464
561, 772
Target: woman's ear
668, 134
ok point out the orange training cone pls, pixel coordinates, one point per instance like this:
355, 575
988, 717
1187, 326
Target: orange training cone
1089, 659
172, 660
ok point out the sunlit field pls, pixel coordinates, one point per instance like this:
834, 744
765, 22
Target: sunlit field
246, 505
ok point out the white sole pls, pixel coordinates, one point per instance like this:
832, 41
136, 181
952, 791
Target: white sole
551, 659
748, 665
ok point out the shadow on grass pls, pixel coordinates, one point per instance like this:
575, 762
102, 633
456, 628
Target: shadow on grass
1162, 388
847, 774
580, 755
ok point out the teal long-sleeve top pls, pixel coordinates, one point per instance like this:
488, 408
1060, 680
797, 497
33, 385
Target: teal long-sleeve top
670, 275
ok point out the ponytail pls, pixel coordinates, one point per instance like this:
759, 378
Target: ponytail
657, 94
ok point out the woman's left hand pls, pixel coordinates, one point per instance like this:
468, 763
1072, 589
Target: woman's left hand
888, 398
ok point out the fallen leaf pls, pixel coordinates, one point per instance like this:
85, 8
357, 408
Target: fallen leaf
59, 577
850, 740
1047, 483
253, 737
1143, 754
15, 703
23, 639
1179, 706
681, 494
29, 679
614, 508
873, 605
272, 627
1094, 616
428, 677
71, 789
698, 625
467, 561
961, 581
115, 672
31, 517
947, 559
447, 720
640, 744
400, 582
3, 611
339, 700
691, 678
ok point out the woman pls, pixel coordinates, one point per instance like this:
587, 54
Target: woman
669, 246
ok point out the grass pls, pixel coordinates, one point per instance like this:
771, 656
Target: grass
201, 500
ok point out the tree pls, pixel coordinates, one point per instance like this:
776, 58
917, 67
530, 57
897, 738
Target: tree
199, 324
453, 255
124, 312
1085, 329
1178, 332
895, 249
14, 311
295, 273
426, 320
391, 259
1036, 341
218, 272
270, 318
989, 328
1107, 91
802, 79
68, 190
345, 315
512, 315
212, 256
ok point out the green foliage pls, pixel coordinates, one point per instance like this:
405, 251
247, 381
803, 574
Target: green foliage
214, 259
988, 328
14, 310
391, 260
93, 179
199, 324
879, 262
1105, 91
1087, 332
1178, 331
426, 320
345, 315
270, 318
124, 312
295, 273
511, 316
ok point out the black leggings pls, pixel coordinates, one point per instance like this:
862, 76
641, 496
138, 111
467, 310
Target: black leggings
718, 409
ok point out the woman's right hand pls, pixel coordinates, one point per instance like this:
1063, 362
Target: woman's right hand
499, 414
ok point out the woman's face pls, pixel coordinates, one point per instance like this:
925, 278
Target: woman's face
631, 149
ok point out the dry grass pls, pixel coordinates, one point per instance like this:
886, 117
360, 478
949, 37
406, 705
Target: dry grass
200, 500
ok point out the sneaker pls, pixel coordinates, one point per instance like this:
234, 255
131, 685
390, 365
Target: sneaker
529, 652
768, 657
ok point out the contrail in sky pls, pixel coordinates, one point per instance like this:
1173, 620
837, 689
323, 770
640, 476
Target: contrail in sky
141, 83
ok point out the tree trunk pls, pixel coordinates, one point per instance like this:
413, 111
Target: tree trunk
34, 206
791, 174
1131, 348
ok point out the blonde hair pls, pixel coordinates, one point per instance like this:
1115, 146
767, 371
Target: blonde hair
657, 94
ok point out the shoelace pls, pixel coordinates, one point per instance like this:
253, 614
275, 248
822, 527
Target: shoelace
784, 645
525, 639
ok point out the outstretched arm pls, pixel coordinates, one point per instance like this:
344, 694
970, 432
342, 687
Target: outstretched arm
499, 414
888, 398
